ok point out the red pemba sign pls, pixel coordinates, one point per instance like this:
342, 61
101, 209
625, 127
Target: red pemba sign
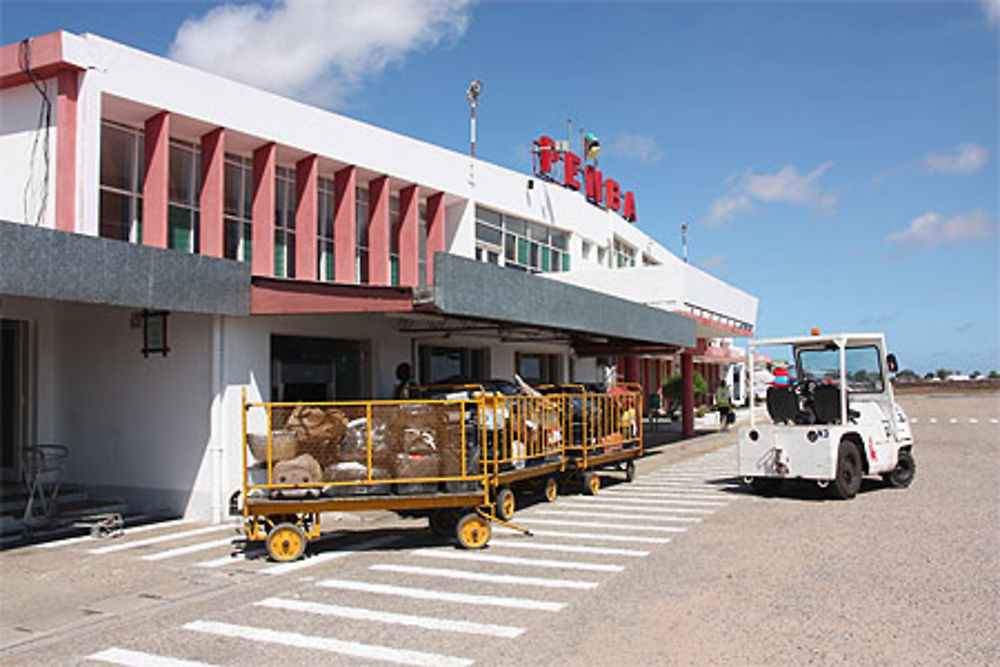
600, 191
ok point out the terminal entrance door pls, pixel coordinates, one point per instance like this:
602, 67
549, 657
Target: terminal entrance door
13, 396
317, 369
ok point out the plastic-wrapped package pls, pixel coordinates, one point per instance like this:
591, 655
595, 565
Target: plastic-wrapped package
284, 445
350, 471
303, 469
415, 465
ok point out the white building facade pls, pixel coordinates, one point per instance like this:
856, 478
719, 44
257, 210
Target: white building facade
290, 251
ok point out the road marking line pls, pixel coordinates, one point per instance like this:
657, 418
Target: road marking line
933, 420
599, 524
589, 536
994, 421
566, 548
914, 420
443, 596
180, 551
160, 538
952, 421
294, 566
547, 582
618, 515
354, 649
473, 557
635, 508
664, 494
126, 531
425, 622
120, 656
221, 562
639, 500
973, 420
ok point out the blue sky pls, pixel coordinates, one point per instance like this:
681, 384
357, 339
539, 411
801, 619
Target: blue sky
838, 160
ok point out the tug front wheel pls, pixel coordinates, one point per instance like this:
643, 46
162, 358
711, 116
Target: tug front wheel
472, 531
286, 542
902, 475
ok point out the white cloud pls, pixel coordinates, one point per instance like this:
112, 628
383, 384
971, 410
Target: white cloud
992, 9
316, 50
931, 229
787, 185
714, 261
968, 158
639, 148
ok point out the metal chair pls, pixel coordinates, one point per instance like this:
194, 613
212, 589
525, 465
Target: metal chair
43, 467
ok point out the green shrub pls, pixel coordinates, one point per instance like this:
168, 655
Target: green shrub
672, 388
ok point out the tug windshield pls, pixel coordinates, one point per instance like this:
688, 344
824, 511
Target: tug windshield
864, 367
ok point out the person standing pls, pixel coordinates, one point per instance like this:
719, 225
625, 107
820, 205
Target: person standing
404, 381
722, 403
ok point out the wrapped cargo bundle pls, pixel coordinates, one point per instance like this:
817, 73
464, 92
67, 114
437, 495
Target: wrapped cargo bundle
320, 432
303, 469
351, 471
284, 445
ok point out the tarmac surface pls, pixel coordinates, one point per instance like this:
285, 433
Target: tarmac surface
681, 567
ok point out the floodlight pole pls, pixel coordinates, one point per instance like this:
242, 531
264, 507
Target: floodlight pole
472, 94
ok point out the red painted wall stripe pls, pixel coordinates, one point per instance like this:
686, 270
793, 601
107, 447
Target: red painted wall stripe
378, 231
68, 89
344, 232
211, 200
409, 236
306, 192
262, 260
155, 181
435, 231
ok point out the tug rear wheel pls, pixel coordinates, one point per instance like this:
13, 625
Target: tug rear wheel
551, 489
472, 531
848, 480
506, 503
286, 542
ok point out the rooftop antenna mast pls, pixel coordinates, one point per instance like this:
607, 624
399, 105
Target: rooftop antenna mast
684, 240
472, 94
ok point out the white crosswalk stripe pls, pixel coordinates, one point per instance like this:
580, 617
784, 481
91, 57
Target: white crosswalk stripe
610, 505
618, 515
576, 535
443, 596
159, 539
532, 543
665, 494
120, 656
639, 500
531, 521
474, 557
192, 548
515, 580
299, 641
409, 620
326, 556
127, 532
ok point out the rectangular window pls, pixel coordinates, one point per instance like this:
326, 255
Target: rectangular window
238, 207
624, 254
422, 266
183, 186
122, 156
324, 228
361, 231
284, 223
453, 365
538, 368
519, 244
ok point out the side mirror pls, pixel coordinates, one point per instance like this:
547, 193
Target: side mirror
891, 360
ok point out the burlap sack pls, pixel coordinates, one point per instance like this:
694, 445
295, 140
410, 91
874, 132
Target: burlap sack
283, 445
303, 469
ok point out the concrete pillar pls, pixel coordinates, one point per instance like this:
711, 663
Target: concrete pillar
687, 394
68, 91
211, 199
345, 237
409, 236
435, 231
378, 231
306, 203
262, 259
156, 179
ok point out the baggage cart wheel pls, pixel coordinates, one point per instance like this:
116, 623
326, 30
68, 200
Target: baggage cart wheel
506, 503
630, 471
551, 489
472, 531
442, 522
286, 542
591, 483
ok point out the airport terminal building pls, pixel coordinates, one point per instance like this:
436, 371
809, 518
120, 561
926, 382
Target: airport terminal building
169, 237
